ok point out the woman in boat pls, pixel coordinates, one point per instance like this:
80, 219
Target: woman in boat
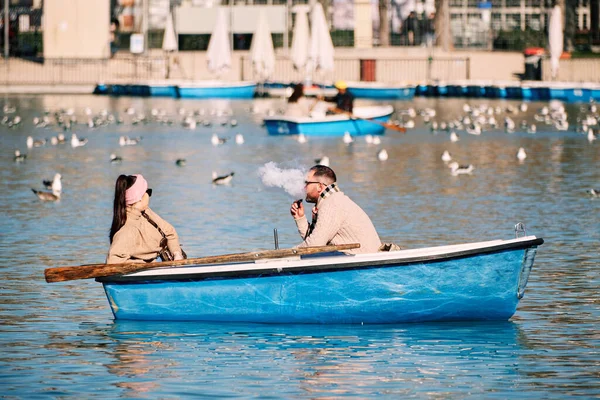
298, 105
137, 233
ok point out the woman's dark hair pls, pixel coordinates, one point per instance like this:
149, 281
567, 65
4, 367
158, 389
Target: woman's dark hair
321, 171
124, 182
297, 93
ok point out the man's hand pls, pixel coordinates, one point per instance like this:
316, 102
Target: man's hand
297, 210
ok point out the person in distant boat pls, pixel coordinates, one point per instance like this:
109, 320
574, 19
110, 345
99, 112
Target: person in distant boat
335, 218
344, 100
298, 105
137, 233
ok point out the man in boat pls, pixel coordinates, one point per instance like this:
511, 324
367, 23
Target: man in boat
344, 100
335, 218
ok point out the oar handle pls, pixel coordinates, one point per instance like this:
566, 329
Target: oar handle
61, 274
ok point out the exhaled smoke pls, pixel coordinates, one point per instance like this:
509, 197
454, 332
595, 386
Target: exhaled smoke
291, 180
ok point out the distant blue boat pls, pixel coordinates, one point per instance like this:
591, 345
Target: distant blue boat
376, 90
333, 125
475, 281
217, 89
162, 89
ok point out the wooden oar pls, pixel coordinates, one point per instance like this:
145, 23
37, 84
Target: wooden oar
61, 274
384, 124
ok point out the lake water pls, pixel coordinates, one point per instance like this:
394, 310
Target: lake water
60, 339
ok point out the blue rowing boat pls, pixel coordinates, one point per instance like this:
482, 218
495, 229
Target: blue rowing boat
368, 122
473, 281
216, 89
377, 90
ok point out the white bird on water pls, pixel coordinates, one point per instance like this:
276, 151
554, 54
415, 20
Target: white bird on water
19, 157
521, 155
302, 138
77, 142
594, 192
446, 156
454, 137
215, 140
590, 136
382, 155
322, 161
222, 180
55, 184
115, 159
369, 139
347, 138
457, 169
239, 138
376, 140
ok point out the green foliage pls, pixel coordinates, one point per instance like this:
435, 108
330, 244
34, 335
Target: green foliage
519, 40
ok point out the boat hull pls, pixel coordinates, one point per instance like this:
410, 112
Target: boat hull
397, 93
335, 125
229, 91
484, 286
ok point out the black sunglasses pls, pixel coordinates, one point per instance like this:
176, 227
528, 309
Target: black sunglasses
149, 191
306, 183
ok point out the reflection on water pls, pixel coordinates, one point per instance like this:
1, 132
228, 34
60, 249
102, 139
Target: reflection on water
60, 340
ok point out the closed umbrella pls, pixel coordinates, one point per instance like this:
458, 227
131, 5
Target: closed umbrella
262, 52
300, 39
219, 48
321, 45
169, 38
555, 39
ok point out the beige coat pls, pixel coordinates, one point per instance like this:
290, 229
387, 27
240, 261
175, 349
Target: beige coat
340, 221
139, 241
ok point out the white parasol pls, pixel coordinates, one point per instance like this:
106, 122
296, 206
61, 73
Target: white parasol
169, 38
219, 48
321, 46
262, 52
555, 39
300, 39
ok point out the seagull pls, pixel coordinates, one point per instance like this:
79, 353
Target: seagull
180, 162
233, 122
221, 180
590, 136
457, 169
127, 141
523, 107
521, 155
454, 137
19, 157
376, 140
369, 139
35, 143
446, 156
61, 138
54, 184
46, 196
382, 155
239, 138
115, 159
322, 161
594, 192
474, 130
215, 140
347, 138
77, 142
532, 129
302, 138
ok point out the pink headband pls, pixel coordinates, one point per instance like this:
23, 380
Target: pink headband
136, 191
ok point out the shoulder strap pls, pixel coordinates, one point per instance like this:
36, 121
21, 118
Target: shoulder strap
153, 224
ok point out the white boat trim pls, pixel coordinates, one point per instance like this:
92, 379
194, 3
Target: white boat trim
291, 263
366, 112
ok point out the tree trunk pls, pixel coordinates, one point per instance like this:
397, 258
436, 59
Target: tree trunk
443, 35
594, 20
569, 7
384, 23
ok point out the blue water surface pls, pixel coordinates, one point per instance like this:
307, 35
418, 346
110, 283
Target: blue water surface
59, 340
